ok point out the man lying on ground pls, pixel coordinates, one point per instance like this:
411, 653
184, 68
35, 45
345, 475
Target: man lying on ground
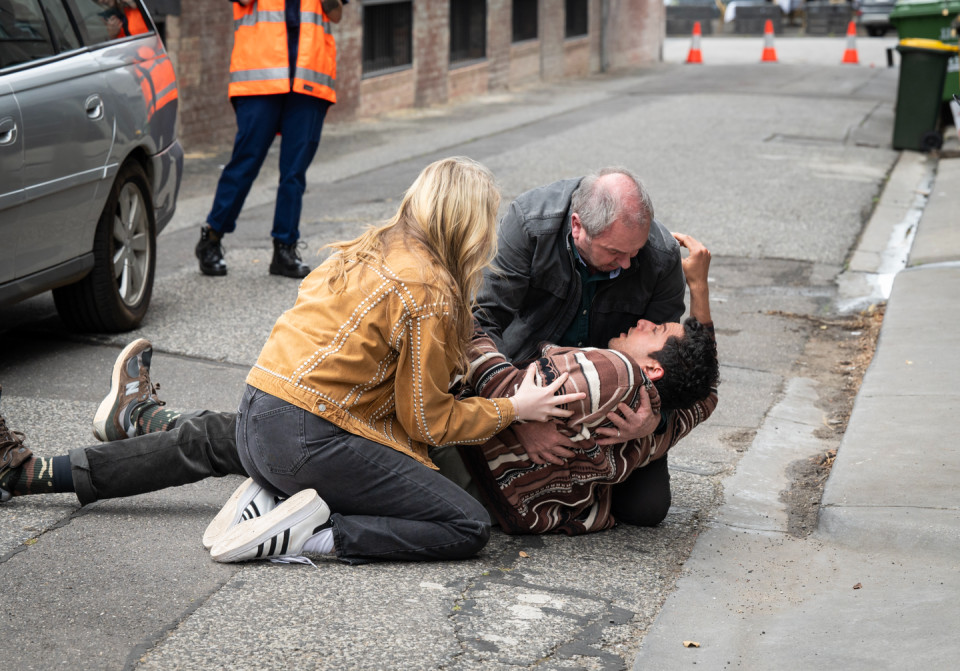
578, 496
171, 448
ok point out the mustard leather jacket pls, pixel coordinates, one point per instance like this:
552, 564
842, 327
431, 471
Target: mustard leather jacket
372, 360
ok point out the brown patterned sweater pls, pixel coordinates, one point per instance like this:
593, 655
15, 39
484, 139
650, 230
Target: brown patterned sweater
573, 498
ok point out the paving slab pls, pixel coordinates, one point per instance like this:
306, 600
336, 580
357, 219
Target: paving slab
938, 236
769, 601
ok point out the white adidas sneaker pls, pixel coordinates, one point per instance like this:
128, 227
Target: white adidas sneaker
247, 502
280, 533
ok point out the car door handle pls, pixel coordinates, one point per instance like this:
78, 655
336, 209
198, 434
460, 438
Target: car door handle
94, 107
8, 131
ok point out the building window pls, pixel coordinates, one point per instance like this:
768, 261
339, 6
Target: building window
524, 20
468, 30
387, 37
576, 18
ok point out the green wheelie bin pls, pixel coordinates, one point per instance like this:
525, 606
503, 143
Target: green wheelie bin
923, 68
931, 19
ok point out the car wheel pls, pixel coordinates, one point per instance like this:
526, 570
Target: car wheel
115, 295
874, 32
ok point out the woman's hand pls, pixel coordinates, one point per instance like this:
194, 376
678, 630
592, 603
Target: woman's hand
533, 403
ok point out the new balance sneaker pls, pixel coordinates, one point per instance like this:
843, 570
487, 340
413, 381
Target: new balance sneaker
129, 387
280, 533
248, 501
12, 455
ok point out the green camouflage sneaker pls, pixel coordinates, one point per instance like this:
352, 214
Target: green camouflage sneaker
129, 387
12, 455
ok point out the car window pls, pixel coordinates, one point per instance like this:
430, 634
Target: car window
64, 36
105, 20
23, 33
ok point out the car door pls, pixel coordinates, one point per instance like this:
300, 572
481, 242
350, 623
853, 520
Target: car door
11, 188
67, 137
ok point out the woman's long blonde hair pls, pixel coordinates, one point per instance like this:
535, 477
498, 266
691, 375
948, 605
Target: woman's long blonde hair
449, 213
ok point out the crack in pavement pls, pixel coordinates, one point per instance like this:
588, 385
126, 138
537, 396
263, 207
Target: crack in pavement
23, 547
591, 625
139, 650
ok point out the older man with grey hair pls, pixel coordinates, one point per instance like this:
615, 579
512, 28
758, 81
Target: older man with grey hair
581, 261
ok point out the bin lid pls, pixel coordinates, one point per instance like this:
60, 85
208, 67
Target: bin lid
932, 45
908, 8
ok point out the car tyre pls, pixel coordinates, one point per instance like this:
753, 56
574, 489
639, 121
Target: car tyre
115, 295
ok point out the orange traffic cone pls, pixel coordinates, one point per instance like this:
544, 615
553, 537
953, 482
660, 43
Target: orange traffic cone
769, 53
695, 56
850, 55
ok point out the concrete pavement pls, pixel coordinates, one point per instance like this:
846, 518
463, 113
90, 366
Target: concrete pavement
875, 586
773, 168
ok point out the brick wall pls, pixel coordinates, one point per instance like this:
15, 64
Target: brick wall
633, 36
525, 63
386, 93
499, 36
576, 57
349, 36
595, 22
636, 29
551, 22
203, 60
469, 81
431, 51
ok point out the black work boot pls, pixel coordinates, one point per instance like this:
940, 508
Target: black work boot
12, 456
286, 261
210, 253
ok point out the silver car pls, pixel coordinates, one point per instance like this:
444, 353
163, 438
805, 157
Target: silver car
90, 165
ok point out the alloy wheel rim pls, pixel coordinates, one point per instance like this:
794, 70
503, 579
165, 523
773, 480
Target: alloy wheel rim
131, 244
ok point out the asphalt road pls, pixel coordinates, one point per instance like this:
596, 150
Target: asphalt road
774, 168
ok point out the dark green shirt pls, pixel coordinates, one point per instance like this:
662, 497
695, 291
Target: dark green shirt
578, 333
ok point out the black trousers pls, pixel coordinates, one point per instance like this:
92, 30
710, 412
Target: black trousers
204, 445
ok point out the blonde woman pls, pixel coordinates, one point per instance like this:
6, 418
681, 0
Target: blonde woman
352, 388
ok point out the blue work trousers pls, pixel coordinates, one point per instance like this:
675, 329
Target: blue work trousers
299, 118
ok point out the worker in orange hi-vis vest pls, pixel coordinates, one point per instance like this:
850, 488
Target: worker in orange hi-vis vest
283, 73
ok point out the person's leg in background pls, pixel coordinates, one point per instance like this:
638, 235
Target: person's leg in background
146, 447
643, 499
301, 125
258, 122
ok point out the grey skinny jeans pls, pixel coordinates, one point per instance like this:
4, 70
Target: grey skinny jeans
386, 505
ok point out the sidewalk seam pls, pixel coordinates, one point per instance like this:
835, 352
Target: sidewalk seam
883, 505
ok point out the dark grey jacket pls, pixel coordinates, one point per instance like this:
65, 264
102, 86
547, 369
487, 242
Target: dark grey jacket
537, 291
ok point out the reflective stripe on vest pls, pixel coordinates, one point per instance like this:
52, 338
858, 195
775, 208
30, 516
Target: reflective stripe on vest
316, 19
260, 75
314, 77
158, 82
259, 64
260, 16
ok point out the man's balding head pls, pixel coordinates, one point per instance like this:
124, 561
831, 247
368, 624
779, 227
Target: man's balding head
610, 195
611, 216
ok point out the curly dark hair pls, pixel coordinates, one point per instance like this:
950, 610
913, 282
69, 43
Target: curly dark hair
690, 367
